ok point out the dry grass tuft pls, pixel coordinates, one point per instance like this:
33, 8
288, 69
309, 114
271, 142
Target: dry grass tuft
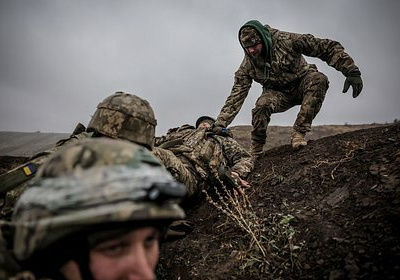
271, 249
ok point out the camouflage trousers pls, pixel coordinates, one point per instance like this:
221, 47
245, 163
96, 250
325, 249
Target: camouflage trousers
309, 93
179, 170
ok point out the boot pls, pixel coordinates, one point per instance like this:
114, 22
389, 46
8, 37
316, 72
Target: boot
298, 140
256, 150
178, 230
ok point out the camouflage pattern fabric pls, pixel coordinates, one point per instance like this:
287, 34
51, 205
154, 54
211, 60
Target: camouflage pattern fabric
98, 181
181, 172
120, 115
309, 94
249, 37
202, 153
92, 152
125, 116
9, 198
284, 71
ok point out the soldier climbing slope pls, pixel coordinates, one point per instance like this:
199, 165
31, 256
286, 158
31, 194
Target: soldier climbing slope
274, 59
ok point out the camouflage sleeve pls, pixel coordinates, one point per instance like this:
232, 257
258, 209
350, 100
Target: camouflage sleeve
14, 182
332, 52
171, 135
239, 92
158, 140
26, 171
239, 159
177, 169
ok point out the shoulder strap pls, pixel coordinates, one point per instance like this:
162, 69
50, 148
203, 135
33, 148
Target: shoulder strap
17, 176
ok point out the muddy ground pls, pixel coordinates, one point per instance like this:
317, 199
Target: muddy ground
328, 211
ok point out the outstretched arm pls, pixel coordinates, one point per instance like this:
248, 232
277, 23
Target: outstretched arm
235, 100
239, 160
333, 53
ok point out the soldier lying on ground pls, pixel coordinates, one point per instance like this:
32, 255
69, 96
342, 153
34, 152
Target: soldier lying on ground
129, 117
96, 210
119, 116
199, 158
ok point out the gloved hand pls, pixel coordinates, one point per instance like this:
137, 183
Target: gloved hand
221, 130
353, 79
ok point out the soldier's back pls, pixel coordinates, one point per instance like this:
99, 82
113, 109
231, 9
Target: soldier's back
14, 182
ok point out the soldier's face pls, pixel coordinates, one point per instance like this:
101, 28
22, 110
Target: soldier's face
133, 255
204, 125
255, 50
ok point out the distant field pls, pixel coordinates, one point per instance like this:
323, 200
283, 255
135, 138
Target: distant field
17, 147
280, 135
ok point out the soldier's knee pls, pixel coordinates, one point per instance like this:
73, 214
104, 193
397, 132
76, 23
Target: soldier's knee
258, 136
319, 80
262, 110
265, 100
315, 87
259, 127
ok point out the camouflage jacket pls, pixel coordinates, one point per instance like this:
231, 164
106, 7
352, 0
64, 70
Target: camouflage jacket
14, 182
283, 67
206, 151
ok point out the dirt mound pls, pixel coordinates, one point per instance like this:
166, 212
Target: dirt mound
8, 162
280, 135
328, 211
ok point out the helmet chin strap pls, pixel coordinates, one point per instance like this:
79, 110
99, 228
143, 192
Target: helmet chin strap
82, 260
78, 265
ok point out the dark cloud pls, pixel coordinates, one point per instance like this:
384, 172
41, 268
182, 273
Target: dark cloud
59, 59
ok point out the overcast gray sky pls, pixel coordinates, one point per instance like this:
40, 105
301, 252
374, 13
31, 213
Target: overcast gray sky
60, 58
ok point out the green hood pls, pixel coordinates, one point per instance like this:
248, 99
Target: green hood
264, 33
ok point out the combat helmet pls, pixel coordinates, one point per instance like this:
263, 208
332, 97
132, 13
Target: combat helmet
125, 116
204, 118
97, 182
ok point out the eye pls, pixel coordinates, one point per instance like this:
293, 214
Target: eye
151, 239
111, 248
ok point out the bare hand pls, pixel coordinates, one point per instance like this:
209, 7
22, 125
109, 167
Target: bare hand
241, 182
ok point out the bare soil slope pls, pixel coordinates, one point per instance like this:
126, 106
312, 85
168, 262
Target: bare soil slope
280, 135
328, 211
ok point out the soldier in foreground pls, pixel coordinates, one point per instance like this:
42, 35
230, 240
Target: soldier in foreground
199, 158
119, 116
96, 210
274, 59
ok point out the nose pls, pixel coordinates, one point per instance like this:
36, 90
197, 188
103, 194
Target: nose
251, 50
138, 265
